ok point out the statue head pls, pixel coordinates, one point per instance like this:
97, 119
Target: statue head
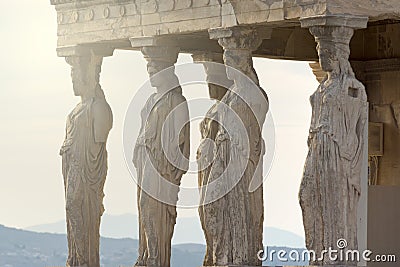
162, 76
327, 56
157, 72
160, 65
333, 48
85, 73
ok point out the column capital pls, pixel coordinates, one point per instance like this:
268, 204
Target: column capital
338, 29
338, 20
86, 63
159, 57
145, 41
239, 42
237, 37
167, 54
160, 52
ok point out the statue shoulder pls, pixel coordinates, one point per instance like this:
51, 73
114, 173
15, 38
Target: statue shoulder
178, 96
102, 119
101, 108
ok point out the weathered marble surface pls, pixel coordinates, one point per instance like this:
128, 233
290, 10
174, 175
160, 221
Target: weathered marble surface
374, 9
232, 211
209, 128
81, 22
331, 185
161, 157
84, 158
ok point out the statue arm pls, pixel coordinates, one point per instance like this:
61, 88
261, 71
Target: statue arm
102, 120
182, 124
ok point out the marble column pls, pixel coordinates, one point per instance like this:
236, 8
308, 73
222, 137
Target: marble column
232, 208
160, 156
334, 173
84, 156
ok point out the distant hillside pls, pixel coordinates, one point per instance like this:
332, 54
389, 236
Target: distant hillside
120, 226
187, 230
21, 248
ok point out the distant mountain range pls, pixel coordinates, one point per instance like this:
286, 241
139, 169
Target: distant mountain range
187, 230
21, 248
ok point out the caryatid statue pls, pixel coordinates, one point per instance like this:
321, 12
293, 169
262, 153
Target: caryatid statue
161, 157
218, 84
232, 202
84, 161
330, 189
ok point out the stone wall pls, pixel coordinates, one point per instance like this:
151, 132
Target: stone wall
382, 79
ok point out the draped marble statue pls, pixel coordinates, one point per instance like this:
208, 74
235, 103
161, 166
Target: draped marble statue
84, 162
330, 188
217, 85
161, 157
232, 204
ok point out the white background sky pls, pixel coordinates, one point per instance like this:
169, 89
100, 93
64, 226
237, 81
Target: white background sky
36, 96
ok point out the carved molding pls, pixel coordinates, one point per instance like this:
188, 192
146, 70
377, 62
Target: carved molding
78, 3
350, 21
99, 50
143, 6
137, 42
93, 11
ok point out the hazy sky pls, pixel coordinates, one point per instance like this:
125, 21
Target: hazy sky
36, 96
